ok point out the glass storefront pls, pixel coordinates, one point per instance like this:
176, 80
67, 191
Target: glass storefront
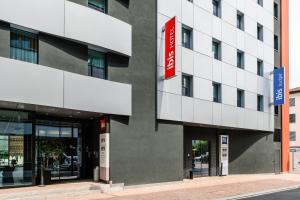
58, 150
201, 157
15, 148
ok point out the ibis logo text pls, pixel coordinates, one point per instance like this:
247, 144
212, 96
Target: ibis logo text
170, 48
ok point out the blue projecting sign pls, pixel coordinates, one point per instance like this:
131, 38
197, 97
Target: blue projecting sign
279, 86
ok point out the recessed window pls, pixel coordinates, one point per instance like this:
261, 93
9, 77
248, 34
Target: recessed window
276, 43
276, 110
276, 10
217, 92
292, 118
96, 64
187, 85
187, 37
293, 136
260, 2
240, 20
260, 67
260, 32
190, 1
260, 103
216, 8
240, 59
99, 5
216, 49
23, 46
292, 102
240, 98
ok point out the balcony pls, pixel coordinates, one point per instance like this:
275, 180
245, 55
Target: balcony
32, 84
71, 21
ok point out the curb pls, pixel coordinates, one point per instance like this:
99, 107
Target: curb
255, 194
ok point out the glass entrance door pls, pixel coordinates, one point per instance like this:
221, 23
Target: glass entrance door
201, 157
59, 149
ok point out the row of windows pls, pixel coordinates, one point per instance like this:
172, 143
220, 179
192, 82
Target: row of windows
240, 23
187, 90
24, 47
217, 52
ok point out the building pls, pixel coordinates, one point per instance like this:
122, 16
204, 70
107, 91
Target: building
294, 129
83, 85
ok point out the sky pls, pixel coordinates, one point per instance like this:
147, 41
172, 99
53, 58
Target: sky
294, 49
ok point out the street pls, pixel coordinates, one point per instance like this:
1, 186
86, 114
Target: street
286, 195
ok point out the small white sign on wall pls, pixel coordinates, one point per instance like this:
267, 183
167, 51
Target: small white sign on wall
104, 156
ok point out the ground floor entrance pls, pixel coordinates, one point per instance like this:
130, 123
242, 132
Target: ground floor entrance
55, 148
200, 157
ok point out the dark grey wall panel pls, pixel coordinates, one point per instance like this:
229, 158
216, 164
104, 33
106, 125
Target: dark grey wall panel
142, 151
4, 40
62, 54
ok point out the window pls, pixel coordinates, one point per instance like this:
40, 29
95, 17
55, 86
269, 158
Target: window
260, 2
217, 93
187, 85
275, 10
216, 48
23, 46
276, 110
240, 98
187, 37
260, 32
293, 136
99, 5
292, 102
190, 1
240, 59
96, 64
260, 68
292, 118
277, 135
260, 103
216, 8
276, 44
240, 20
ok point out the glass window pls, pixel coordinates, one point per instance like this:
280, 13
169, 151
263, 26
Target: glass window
23, 46
187, 37
216, 48
217, 93
260, 2
276, 110
260, 32
240, 20
216, 8
293, 136
277, 135
98, 5
15, 149
275, 10
240, 59
260, 103
292, 102
260, 68
276, 43
292, 118
190, 1
240, 98
97, 64
187, 85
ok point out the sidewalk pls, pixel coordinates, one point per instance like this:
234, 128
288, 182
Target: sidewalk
201, 188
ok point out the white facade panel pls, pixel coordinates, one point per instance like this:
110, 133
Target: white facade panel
69, 20
207, 70
44, 86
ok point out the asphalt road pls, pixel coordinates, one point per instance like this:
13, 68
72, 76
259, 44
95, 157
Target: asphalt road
286, 195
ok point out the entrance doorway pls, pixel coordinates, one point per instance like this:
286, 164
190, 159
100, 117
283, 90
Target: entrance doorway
58, 150
200, 157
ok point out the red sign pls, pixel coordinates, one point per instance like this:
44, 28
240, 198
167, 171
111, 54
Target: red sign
170, 53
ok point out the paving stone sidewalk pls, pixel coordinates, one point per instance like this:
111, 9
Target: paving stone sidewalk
201, 188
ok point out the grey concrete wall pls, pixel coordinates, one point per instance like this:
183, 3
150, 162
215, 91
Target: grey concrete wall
63, 54
250, 152
4, 40
142, 149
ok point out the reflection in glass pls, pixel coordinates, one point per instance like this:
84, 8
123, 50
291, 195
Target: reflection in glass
200, 155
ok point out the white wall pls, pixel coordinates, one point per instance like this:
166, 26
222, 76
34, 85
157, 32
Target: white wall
39, 85
204, 69
70, 20
295, 126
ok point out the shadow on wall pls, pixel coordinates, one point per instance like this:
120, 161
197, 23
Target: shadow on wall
125, 3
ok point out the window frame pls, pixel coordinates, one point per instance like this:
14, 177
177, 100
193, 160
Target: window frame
218, 87
294, 134
240, 22
186, 29
292, 102
260, 32
187, 91
217, 55
240, 99
260, 67
276, 10
260, 2
95, 7
276, 42
260, 103
90, 67
240, 57
216, 4
292, 118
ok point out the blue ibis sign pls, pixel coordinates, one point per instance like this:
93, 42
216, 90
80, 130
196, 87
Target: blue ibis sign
279, 86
